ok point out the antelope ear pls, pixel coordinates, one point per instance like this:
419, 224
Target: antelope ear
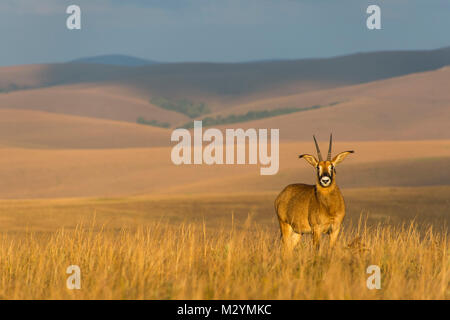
340, 157
312, 161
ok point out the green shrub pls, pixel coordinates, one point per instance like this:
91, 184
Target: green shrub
252, 115
154, 123
184, 106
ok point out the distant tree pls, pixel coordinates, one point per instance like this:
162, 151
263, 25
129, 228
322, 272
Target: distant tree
154, 123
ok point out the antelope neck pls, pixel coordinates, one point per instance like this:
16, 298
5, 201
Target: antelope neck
323, 194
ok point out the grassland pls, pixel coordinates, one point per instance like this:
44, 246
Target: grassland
192, 262
221, 247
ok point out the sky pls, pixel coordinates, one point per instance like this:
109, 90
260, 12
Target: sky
34, 31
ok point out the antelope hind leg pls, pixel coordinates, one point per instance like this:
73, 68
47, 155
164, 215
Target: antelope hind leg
286, 234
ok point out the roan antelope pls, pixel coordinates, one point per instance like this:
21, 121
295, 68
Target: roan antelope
316, 209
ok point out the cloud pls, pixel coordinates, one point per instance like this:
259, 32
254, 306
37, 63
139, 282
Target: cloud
215, 30
41, 7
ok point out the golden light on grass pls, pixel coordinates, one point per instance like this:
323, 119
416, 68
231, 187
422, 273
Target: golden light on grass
188, 261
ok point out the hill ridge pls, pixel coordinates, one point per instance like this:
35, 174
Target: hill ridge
231, 80
115, 59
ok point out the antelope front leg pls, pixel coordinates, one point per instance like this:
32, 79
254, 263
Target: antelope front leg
334, 235
317, 233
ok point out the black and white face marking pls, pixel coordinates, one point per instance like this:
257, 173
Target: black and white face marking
325, 181
325, 172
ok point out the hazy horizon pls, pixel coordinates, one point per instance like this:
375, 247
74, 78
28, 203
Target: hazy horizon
220, 62
215, 31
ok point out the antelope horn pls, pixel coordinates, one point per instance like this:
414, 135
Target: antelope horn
329, 148
318, 149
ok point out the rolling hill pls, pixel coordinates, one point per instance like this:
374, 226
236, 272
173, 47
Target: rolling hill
43, 130
223, 81
69, 130
415, 106
115, 60
111, 102
49, 173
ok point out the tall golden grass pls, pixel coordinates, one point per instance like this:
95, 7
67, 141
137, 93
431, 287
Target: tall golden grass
188, 261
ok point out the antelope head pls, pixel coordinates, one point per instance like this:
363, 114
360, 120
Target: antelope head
326, 170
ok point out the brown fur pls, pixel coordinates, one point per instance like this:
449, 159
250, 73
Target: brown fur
315, 209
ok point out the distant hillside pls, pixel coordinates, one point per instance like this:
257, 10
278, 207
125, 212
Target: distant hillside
116, 60
222, 81
411, 107
43, 130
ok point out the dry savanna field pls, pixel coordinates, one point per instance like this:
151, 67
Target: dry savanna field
222, 247
190, 261
81, 183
